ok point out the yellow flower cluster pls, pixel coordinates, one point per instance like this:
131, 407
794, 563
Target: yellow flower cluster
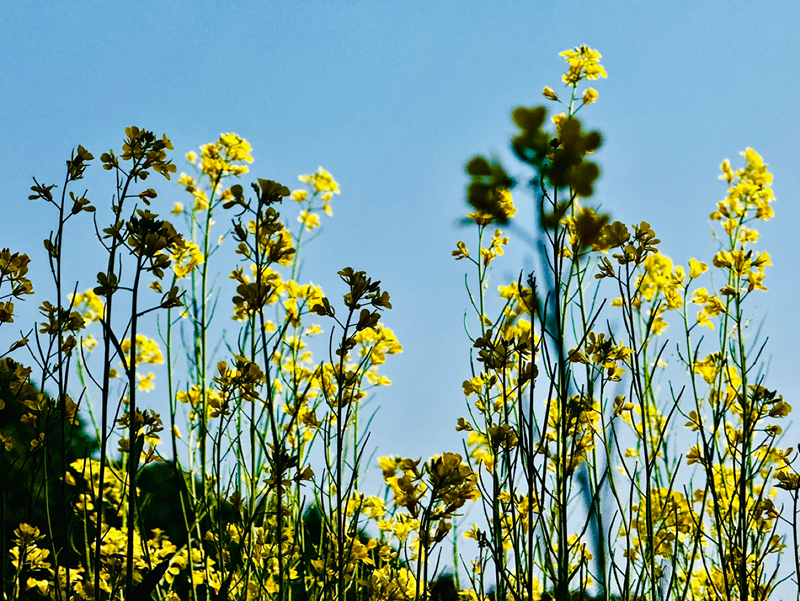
502, 200
147, 350
186, 257
200, 197
219, 159
502, 204
712, 306
582, 415
659, 276
390, 584
257, 554
661, 285
584, 63
309, 220
86, 472
427, 498
745, 266
322, 182
749, 197
89, 305
602, 352
495, 248
274, 241
750, 189
194, 398
27, 554
377, 342
672, 520
322, 186
301, 298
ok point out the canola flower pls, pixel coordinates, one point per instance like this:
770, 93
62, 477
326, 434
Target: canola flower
186, 258
147, 350
219, 159
584, 63
321, 186
89, 305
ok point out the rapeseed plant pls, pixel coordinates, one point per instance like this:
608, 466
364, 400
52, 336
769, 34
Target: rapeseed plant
570, 452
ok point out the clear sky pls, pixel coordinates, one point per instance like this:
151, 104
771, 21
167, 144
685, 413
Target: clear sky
393, 98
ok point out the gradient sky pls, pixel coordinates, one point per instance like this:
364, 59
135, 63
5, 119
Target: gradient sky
393, 98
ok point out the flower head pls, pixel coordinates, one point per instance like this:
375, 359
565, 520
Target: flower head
589, 96
549, 93
223, 157
321, 180
584, 63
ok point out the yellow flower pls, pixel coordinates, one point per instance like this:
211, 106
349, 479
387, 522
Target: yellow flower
401, 531
42, 585
474, 533
461, 251
727, 172
480, 218
200, 201
147, 350
238, 148
713, 306
696, 268
589, 96
695, 455
388, 465
187, 181
495, 248
374, 507
219, 159
749, 188
89, 342
501, 197
37, 442
88, 305
186, 257
708, 368
509, 292
549, 93
754, 280
473, 386
659, 276
146, 382
310, 220
747, 235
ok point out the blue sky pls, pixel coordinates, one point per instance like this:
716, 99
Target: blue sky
393, 98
